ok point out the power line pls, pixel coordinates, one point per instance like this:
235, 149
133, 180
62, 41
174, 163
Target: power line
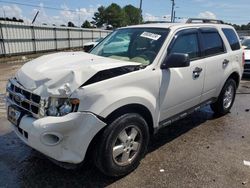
37, 6
172, 13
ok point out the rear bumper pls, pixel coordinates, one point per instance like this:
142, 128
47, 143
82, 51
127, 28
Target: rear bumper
65, 139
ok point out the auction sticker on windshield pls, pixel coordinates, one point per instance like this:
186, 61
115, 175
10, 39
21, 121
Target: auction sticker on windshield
150, 35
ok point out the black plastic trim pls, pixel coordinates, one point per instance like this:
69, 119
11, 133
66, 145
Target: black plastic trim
183, 114
110, 73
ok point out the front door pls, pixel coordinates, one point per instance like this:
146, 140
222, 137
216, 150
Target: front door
181, 88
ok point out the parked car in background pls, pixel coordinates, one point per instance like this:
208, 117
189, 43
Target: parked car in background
246, 46
244, 37
89, 45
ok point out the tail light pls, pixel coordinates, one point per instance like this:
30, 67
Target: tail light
243, 58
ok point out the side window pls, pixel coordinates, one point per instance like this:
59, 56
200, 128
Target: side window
232, 38
187, 44
213, 43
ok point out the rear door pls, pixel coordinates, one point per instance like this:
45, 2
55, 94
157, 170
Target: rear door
215, 56
236, 53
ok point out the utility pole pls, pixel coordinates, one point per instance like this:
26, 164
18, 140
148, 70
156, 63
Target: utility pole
4, 15
34, 19
174, 17
140, 11
172, 12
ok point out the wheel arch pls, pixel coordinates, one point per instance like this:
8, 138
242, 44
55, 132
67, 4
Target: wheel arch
133, 108
236, 77
129, 108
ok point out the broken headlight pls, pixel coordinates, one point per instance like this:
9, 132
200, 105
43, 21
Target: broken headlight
62, 106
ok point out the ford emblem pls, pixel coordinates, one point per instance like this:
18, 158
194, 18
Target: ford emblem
19, 97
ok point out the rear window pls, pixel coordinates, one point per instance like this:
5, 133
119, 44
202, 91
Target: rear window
212, 43
232, 38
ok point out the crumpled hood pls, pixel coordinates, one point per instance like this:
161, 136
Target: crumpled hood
62, 73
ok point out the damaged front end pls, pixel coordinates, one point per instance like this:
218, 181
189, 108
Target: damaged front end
43, 108
36, 105
51, 125
26, 100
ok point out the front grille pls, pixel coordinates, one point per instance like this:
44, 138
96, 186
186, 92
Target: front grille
21, 97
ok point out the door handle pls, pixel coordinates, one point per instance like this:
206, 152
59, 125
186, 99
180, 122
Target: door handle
196, 73
225, 62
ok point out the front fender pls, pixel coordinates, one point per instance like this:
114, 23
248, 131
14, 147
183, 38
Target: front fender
104, 103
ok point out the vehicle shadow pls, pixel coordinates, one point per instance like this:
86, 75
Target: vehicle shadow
38, 171
244, 87
175, 130
246, 77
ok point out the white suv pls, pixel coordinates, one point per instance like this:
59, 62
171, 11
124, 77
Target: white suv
109, 102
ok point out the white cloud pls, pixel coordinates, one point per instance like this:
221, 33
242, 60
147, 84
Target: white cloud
150, 17
207, 14
77, 16
42, 17
166, 18
200, 1
11, 11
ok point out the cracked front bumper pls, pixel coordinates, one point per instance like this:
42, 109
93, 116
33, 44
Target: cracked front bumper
74, 132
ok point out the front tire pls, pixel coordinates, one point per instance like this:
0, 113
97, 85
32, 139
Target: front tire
122, 145
226, 99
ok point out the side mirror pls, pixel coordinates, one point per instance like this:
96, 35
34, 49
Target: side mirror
176, 60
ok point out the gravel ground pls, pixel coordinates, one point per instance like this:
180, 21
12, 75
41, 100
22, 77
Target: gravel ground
198, 151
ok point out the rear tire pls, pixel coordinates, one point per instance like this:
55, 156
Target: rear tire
122, 145
226, 99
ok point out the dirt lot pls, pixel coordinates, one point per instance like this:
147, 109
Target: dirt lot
198, 151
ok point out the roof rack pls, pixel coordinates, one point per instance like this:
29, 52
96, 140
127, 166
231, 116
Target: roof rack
203, 20
149, 22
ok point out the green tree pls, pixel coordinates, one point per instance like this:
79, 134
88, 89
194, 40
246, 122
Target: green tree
71, 24
86, 24
115, 16
244, 27
237, 27
133, 15
112, 15
99, 17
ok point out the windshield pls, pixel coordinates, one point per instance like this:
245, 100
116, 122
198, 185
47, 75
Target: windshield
132, 44
246, 43
99, 40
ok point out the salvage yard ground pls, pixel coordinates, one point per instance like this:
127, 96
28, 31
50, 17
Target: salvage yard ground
198, 151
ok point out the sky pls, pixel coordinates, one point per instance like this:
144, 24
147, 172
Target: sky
61, 11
